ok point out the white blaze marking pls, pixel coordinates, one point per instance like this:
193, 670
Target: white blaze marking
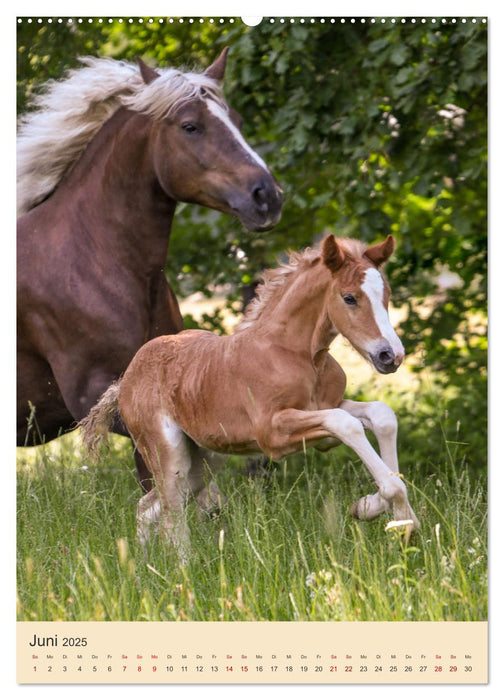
218, 112
373, 287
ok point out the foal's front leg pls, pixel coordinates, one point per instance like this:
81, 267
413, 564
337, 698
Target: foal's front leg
293, 428
380, 419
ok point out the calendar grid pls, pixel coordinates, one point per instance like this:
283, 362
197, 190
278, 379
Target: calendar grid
266, 652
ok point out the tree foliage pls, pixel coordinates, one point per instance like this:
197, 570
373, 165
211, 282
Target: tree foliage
370, 128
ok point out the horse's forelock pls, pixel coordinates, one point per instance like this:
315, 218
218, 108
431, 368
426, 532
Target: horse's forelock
161, 97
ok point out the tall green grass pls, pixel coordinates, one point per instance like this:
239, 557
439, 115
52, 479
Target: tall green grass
283, 548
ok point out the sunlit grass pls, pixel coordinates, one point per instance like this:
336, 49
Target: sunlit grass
283, 548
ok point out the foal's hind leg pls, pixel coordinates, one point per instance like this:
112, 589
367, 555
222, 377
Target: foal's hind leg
167, 452
148, 514
204, 465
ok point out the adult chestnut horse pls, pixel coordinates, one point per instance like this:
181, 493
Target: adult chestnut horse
101, 166
272, 387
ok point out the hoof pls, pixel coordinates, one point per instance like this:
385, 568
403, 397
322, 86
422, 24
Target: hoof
369, 507
354, 510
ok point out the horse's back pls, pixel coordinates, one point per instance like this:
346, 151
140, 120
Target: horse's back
167, 349
157, 369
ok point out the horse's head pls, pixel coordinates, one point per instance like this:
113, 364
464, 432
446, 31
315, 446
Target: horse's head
200, 155
359, 299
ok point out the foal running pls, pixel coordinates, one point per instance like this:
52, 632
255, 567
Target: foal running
272, 387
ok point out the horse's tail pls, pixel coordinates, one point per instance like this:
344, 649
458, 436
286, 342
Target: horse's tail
98, 422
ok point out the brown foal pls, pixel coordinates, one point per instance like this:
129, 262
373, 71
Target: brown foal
272, 387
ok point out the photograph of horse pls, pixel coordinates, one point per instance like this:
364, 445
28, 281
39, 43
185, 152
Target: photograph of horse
271, 388
102, 163
251, 319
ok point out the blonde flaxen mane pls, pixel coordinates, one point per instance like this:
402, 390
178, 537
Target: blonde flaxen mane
71, 111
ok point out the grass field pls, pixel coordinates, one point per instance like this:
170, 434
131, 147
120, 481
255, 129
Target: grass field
283, 548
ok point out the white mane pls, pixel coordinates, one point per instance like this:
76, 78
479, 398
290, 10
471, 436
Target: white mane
70, 112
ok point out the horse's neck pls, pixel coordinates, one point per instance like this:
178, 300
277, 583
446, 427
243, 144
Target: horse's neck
118, 193
299, 318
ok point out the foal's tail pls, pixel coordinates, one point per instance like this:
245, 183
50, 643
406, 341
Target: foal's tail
98, 422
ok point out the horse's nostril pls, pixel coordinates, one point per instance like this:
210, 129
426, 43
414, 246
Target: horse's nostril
386, 357
386, 360
260, 195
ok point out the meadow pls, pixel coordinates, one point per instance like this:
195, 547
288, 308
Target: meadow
284, 547
399, 147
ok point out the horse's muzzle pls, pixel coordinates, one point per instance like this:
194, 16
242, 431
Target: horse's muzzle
262, 209
386, 360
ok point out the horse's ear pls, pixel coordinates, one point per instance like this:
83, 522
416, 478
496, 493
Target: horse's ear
332, 253
148, 74
218, 68
381, 252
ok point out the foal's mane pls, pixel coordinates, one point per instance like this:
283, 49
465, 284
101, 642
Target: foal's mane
274, 280
68, 113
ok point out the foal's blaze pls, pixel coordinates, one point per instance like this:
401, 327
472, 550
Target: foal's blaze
272, 387
360, 300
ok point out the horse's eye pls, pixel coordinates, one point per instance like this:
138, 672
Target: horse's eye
349, 299
189, 127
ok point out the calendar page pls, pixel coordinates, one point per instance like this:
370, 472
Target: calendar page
252, 350
255, 652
